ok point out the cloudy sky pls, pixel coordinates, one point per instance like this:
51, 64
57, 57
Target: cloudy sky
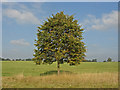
20, 22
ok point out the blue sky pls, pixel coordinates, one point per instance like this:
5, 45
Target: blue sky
20, 22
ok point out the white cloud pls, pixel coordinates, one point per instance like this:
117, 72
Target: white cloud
106, 22
19, 42
21, 16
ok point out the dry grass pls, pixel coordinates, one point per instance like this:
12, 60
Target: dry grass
86, 80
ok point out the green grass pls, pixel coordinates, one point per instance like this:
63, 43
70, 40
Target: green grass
26, 74
29, 68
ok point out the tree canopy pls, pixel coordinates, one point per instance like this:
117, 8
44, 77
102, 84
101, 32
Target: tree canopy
109, 60
60, 39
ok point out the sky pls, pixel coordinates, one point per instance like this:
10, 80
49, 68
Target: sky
60, 0
99, 19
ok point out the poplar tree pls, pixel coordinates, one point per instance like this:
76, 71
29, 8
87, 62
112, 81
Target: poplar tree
59, 39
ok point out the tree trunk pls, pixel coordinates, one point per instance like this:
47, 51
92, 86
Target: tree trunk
58, 67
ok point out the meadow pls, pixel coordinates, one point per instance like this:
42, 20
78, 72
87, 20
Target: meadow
26, 74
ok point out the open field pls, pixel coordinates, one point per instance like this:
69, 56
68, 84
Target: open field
88, 80
21, 74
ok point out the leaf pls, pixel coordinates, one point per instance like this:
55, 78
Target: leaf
59, 37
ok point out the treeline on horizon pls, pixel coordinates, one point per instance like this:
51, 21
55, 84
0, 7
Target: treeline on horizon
7, 59
29, 59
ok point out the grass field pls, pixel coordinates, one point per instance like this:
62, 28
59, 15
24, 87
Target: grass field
25, 74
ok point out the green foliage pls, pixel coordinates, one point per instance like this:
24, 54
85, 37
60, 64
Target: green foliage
109, 60
59, 39
104, 61
3, 59
94, 60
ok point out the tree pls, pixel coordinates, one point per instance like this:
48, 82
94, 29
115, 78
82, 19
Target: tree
104, 61
7, 59
28, 59
109, 60
94, 60
0, 59
84, 60
89, 61
59, 39
18, 59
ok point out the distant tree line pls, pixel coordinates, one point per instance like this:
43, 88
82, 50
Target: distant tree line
93, 60
7, 59
108, 60
29, 59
